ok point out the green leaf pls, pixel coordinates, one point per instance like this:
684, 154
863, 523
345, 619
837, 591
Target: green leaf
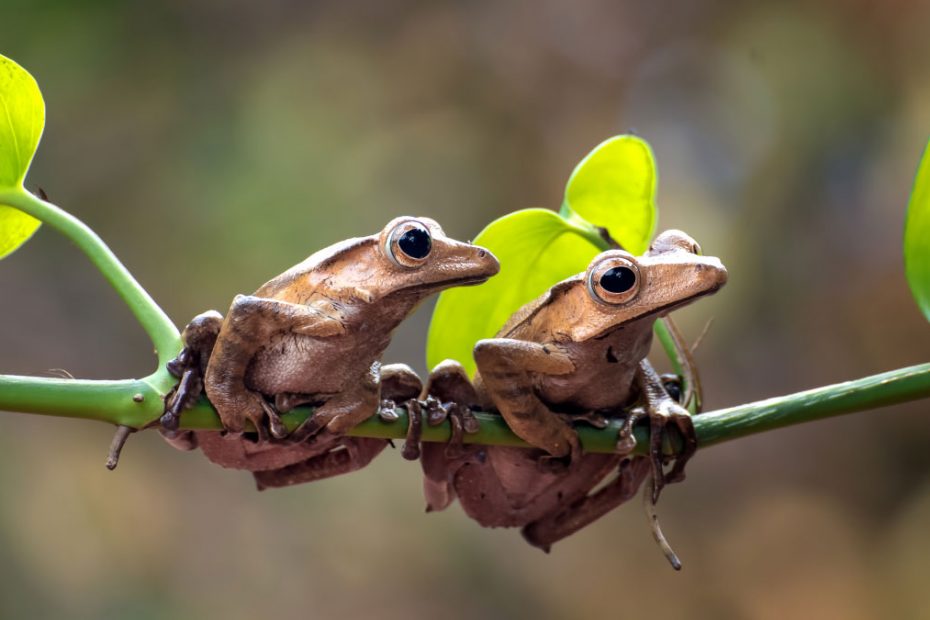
614, 187
22, 119
917, 237
536, 248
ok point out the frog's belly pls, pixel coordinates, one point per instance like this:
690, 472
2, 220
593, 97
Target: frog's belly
593, 391
303, 365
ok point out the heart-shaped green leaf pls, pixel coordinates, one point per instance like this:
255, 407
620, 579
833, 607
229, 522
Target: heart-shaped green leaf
536, 248
917, 237
22, 119
613, 187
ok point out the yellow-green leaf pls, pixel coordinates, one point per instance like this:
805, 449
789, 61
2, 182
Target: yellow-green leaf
614, 187
536, 248
22, 119
917, 237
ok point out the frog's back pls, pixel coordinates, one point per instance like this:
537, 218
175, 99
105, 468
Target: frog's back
516, 326
288, 286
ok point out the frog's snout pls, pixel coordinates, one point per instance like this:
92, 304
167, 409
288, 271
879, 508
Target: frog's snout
491, 266
718, 274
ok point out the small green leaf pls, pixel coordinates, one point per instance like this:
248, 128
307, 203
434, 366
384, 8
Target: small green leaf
536, 248
614, 187
22, 119
917, 237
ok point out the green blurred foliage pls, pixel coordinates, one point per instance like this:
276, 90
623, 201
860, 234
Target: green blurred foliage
213, 145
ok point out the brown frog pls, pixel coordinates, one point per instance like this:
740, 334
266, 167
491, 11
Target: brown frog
578, 352
315, 335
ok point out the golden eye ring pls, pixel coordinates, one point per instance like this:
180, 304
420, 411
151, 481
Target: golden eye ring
614, 280
409, 244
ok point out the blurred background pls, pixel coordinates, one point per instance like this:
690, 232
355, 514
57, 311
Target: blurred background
214, 144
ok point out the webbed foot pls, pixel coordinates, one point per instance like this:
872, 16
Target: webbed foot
462, 421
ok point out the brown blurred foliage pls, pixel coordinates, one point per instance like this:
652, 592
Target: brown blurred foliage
213, 144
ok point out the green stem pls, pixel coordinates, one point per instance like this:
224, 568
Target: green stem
889, 388
130, 402
118, 402
154, 321
714, 427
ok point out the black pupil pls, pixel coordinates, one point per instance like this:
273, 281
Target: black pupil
415, 243
618, 280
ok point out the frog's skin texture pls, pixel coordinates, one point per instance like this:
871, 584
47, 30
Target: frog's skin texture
315, 335
578, 349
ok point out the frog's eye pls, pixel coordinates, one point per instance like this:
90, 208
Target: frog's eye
409, 244
615, 280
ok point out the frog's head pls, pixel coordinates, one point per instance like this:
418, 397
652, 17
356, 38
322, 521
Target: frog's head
417, 258
618, 288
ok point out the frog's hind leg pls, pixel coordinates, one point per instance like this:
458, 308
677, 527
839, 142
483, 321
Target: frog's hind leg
663, 411
189, 367
544, 532
505, 366
353, 454
337, 416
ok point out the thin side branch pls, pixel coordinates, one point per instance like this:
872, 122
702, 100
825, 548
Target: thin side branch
151, 317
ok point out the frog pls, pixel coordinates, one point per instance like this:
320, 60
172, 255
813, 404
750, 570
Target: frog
315, 335
576, 354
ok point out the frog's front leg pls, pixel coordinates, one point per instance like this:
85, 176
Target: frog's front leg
250, 322
199, 337
448, 384
506, 368
345, 410
663, 410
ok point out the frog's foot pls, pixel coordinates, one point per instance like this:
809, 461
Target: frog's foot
189, 366
551, 464
182, 397
398, 384
275, 424
626, 441
388, 411
411, 450
462, 421
665, 413
345, 410
250, 407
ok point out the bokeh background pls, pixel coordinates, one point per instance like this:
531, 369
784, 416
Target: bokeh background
214, 144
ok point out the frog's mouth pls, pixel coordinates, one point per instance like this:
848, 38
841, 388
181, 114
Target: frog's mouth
657, 313
668, 308
428, 287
